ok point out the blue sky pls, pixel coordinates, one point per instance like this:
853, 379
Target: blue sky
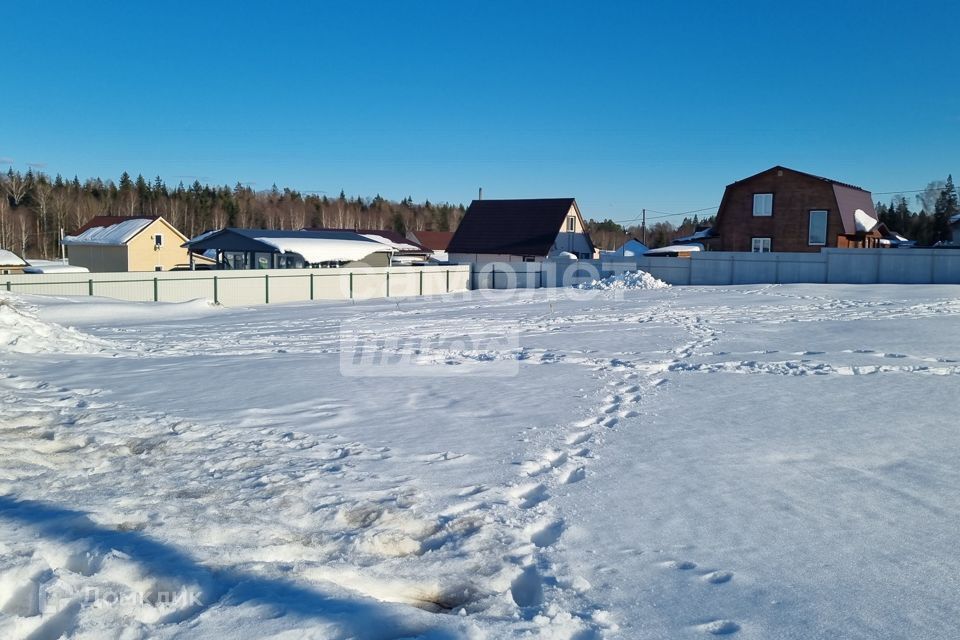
622, 105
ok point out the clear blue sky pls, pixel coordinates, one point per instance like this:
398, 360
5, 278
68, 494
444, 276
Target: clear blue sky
621, 105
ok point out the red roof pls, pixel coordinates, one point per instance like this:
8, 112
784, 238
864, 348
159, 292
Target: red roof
433, 240
108, 221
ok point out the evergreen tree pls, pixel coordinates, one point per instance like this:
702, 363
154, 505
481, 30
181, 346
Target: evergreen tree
945, 207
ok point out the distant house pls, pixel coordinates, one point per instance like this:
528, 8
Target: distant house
11, 263
436, 241
403, 250
520, 230
631, 248
123, 243
272, 249
781, 209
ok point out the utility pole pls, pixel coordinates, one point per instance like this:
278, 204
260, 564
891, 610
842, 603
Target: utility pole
643, 225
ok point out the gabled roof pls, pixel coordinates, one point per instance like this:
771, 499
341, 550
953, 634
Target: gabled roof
108, 221
116, 231
434, 240
314, 246
512, 227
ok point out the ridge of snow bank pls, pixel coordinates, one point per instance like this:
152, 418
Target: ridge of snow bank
21, 331
629, 280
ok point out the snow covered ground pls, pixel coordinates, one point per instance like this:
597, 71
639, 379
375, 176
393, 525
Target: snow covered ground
755, 461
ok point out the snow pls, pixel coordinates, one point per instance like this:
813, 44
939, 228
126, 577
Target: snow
9, 258
629, 280
114, 235
53, 266
674, 248
318, 250
396, 246
751, 461
864, 221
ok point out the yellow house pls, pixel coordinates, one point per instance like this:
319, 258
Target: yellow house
117, 243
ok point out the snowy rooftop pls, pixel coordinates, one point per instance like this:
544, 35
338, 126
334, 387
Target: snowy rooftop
10, 259
113, 235
315, 246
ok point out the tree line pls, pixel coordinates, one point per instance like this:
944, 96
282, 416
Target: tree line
34, 208
930, 223
609, 235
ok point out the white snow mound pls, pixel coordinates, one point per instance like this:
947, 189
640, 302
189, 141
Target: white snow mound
629, 280
21, 331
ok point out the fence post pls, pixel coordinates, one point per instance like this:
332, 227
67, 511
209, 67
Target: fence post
90, 286
216, 297
448, 281
156, 287
311, 285
388, 282
421, 281
8, 285
266, 288
351, 285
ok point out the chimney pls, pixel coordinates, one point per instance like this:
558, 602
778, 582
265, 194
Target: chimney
480, 195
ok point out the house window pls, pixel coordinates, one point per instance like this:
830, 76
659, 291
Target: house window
760, 245
571, 224
763, 204
158, 240
818, 228
530, 258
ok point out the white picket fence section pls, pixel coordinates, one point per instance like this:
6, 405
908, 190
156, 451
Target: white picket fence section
236, 288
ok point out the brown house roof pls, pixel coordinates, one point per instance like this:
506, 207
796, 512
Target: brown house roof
802, 173
108, 221
512, 227
435, 240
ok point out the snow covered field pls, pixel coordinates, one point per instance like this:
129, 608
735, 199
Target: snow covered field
753, 461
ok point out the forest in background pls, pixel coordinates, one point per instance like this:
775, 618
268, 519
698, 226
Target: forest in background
34, 208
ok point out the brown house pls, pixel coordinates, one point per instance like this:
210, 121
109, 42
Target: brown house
781, 209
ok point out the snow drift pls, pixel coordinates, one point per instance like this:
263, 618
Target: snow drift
22, 331
630, 280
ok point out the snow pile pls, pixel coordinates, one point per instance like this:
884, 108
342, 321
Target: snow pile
629, 280
22, 331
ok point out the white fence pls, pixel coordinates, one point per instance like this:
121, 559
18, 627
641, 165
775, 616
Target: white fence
835, 266
266, 286
854, 266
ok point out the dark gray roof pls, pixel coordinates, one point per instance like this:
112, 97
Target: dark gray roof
514, 227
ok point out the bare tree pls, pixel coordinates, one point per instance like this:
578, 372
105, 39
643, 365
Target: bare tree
16, 186
42, 190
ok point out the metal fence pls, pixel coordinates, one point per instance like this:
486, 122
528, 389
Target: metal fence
830, 266
233, 288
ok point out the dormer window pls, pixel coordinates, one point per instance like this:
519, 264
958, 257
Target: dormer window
763, 204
